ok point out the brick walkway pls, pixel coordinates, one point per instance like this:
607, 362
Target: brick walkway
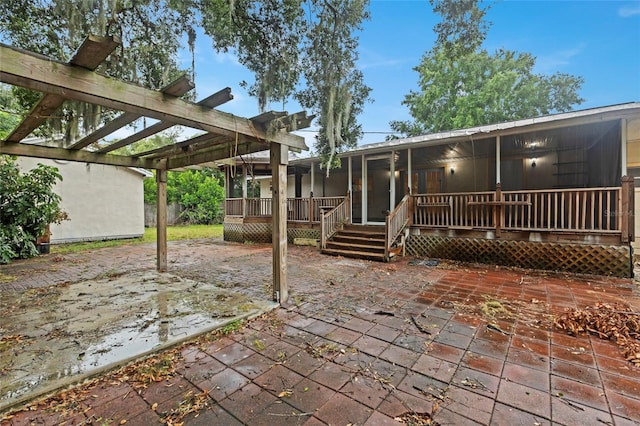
363, 343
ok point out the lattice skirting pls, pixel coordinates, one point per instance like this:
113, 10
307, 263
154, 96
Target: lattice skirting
577, 258
261, 233
293, 233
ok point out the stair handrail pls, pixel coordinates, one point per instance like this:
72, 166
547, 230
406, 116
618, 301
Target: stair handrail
395, 224
332, 220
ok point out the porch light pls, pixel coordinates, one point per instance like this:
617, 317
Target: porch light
453, 170
533, 163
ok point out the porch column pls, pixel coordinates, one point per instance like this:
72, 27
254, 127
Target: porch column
313, 178
279, 159
392, 181
226, 182
409, 171
298, 182
363, 193
244, 181
350, 187
161, 220
623, 146
497, 159
627, 219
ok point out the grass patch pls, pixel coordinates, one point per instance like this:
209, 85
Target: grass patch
187, 232
6, 278
231, 327
493, 308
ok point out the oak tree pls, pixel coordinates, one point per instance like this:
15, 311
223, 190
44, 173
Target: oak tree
462, 85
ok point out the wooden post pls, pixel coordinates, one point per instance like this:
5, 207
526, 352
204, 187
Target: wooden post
161, 226
350, 187
498, 159
626, 215
392, 181
311, 209
497, 211
279, 161
409, 171
623, 146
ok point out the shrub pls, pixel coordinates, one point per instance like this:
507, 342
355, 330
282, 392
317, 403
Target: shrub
27, 206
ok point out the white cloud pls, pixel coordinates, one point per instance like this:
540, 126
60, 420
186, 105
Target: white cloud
380, 64
628, 11
558, 59
371, 59
226, 58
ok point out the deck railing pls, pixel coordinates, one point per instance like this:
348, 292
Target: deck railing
234, 207
395, 223
575, 210
297, 208
588, 210
454, 210
333, 220
598, 211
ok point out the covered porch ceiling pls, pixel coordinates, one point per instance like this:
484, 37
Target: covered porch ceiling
222, 136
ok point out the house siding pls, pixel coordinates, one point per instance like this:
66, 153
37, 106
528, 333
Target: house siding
103, 202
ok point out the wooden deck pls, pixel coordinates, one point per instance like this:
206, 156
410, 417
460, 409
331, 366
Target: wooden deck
585, 230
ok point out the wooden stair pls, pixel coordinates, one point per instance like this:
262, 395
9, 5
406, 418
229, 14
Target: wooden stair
358, 241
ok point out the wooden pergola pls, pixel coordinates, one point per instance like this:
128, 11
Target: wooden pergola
223, 135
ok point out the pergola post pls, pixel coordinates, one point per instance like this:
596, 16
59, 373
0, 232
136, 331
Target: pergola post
279, 160
161, 225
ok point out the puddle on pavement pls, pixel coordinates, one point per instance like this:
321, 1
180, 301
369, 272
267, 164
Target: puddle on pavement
53, 336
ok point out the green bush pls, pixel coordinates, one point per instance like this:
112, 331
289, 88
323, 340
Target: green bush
27, 206
200, 194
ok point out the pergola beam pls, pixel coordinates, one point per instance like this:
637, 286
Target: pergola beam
89, 55
24, 69
212, 101
115, 124
178, 87
191, 145
41, 151
218, 152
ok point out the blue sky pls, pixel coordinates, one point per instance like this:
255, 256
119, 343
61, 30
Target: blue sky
598, 40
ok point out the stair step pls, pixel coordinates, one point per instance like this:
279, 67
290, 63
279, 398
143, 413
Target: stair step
358, 240
360, 235
354, 254
365, 228
362, 231
348, 246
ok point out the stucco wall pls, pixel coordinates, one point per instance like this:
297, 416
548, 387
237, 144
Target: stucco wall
103, 202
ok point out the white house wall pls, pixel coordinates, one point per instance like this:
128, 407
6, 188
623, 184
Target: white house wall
102, 201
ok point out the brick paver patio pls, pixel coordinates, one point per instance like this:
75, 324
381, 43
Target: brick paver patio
363, 343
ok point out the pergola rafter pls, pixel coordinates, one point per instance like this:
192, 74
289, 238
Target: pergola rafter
90, 55
224, 135
176, 88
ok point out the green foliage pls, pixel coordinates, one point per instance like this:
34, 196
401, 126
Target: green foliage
463, 86
284, 40
151, 32
335, 87
266, 36
9, 118
281, 41
462, 26
200, 194
27, 205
